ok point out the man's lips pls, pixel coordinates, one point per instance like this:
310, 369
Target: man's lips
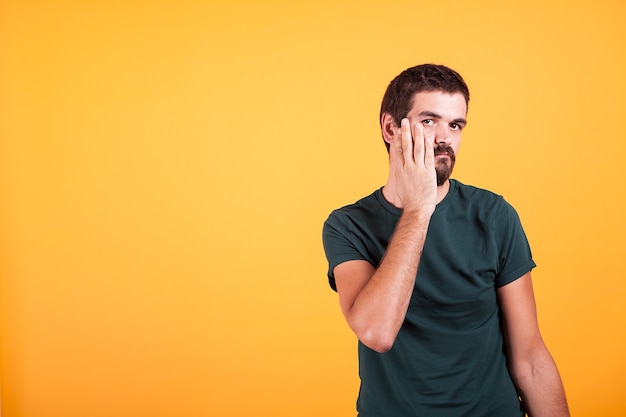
442, 152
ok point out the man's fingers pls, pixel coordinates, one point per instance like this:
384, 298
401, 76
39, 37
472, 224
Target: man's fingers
429, 153
413, 146
396, 159
418, 141
407, 139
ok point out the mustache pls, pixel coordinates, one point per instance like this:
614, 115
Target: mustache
445, 150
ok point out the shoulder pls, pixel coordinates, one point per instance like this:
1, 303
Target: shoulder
470, 192
484, 205
477, 199
345, 233
358, 211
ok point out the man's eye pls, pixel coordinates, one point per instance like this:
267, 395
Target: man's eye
455, 126
428, 122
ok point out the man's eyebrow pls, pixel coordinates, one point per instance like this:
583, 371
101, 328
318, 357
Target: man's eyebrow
428, 113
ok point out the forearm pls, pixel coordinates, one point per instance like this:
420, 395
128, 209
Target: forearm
380, 308
540, 387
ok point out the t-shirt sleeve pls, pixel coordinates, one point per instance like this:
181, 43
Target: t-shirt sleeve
515, 257
338, 246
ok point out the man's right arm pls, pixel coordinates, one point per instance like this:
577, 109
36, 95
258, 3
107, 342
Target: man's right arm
373, 300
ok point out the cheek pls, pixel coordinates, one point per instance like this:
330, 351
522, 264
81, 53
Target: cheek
456, 143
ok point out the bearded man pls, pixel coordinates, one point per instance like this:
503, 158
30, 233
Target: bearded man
434, 276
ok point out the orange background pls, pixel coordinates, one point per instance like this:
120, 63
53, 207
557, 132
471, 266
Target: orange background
165, 169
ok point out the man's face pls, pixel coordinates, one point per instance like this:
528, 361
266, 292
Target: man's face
443, 116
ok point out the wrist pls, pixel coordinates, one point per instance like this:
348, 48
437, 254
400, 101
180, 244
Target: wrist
417, 215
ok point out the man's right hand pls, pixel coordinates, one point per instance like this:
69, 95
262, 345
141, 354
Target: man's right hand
412, 163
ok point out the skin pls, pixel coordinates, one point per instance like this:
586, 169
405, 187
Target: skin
374, 301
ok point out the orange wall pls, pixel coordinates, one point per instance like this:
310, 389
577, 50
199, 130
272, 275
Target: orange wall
165, 169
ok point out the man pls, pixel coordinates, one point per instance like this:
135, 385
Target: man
433, 276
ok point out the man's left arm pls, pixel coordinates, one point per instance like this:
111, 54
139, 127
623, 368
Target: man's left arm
532, 368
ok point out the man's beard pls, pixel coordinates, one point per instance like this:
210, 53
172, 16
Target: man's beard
444, 167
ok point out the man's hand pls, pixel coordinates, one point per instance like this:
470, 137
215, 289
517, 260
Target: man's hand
412, 163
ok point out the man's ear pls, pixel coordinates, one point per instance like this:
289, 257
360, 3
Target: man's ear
389, 127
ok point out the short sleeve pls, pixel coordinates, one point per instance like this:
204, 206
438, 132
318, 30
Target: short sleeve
338, 245
515, 257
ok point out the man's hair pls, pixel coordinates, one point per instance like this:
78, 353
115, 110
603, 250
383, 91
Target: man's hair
398, 99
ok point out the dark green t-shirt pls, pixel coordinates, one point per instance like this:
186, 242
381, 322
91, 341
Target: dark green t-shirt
448, 358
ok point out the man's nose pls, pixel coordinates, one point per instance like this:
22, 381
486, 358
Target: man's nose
442, 135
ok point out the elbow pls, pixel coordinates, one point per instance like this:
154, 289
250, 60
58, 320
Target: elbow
379, 346
532, 366
375, 333
379, 341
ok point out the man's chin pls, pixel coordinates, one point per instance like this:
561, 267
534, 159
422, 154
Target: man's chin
443, 175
